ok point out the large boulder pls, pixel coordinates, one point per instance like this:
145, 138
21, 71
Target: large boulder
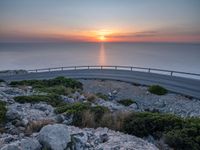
55, 137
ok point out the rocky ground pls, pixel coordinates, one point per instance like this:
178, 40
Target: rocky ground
170, 103
37, 126
21, 130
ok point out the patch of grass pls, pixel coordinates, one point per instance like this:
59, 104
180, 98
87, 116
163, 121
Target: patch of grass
59, 81
126, 102
102, 96
158, 90
2, 112
53, 100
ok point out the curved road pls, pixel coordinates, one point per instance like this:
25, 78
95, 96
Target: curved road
189, 87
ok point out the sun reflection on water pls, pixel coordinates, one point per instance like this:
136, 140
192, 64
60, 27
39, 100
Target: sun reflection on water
102, 57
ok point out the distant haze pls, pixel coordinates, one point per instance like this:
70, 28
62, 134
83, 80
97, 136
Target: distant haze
100, 20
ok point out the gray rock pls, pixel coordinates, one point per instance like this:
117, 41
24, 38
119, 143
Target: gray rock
103, 138
82, 98
30, 144
55, 137
79, 141
13, 146
29, 112
24, 144
133, 106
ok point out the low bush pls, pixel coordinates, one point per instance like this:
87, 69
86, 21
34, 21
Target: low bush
79, 110
1, 80
91, 98
59, 89
126, 102
2, 112
158, 90
66, 82
145, 123
178, 133
102, 96
53, 100
73, 108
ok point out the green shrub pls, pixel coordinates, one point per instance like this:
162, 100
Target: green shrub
158, 90
187, 137
145, 123
183, 139
91, 98
59, 89
1, 80
98, 111
178, 133
2, 111
103, 96
66, 82
126, 102
53, 100
72, 108
79, 109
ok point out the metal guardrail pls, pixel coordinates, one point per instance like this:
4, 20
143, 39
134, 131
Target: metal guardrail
130, 68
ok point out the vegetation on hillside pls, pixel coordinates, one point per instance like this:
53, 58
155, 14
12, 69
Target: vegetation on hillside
52, 99
59, 81
2, 112
126, 102
178, 133
103, 96
158, 90
1, 80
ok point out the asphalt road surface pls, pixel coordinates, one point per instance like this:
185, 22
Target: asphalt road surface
186, 86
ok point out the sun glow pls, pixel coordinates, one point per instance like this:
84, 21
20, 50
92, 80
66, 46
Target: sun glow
102, 38
102, 35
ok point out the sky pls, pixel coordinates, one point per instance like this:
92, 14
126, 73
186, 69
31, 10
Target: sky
100, 20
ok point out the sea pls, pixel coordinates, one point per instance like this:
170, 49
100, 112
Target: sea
170, 56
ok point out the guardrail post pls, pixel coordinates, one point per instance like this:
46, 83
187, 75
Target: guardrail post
49, 69
36, 70
171, 73
131, 68
115, 67
149, 70
62, 68
88, 67
101, 67
75, 67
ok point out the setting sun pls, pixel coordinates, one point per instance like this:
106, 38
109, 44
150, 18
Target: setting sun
102, 38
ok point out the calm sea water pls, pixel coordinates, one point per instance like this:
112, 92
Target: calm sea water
180, 57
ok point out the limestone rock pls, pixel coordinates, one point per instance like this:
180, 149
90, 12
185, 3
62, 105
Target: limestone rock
55, 137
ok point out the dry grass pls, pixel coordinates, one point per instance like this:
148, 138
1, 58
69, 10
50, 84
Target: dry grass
88, 119
90, 97
112, 120
35, 126
115, 120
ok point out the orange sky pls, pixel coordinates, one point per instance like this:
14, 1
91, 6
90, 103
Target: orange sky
100, 20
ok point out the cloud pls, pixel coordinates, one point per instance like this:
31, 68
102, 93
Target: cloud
134, 35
